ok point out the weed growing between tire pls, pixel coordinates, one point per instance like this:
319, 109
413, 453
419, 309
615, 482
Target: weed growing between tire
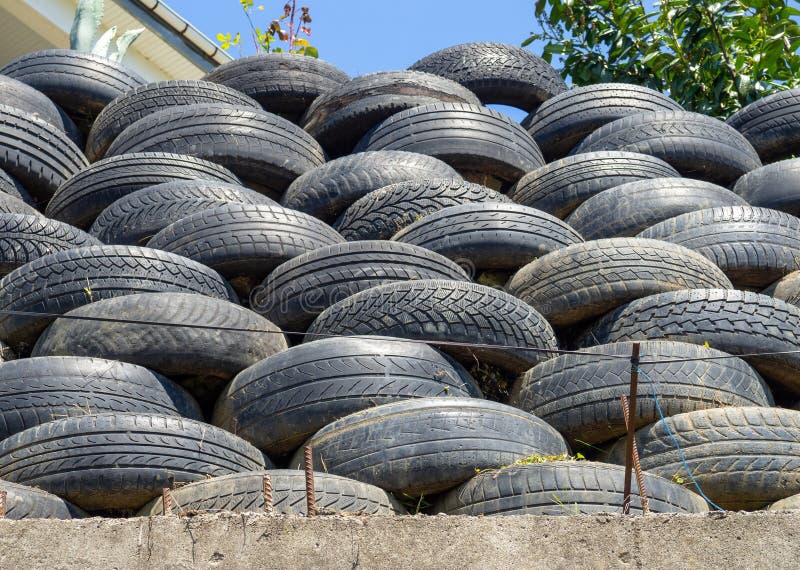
493, 382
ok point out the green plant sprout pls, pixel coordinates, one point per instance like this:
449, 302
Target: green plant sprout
263, 40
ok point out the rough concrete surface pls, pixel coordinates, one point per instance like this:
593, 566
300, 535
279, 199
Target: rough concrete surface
221, 541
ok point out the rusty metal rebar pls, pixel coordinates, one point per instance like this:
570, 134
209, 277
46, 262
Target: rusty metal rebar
637, 467
267, 493
311, 502
166, 501
634, 387
3, 499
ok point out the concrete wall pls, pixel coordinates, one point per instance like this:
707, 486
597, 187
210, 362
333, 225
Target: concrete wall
221, 541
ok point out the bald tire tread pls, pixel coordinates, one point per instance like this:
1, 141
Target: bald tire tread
562, 122
626, 210
281, 83
786, 289
563, 488
775, 186
481, 144
563, 185
497, 73
584, 281
488, 236
24, 502
384, 212
134, 219
147, 99
34, 391
338, 119
266, 151
768, 124
37, 154
244, 493
297, 291
84, 196
753, 246
435, 310
698, 146
280, 402
736, 322
743, 458
139, 456
24, 238
429, 445
58, 283
22, 96
203, 359
328, 190
579, 394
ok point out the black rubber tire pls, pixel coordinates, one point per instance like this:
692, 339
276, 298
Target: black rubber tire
626, 210
24, 238
742, 458
147, 99
340, 118
584, 281
277, 405
328, 190
197, 355
698, 146
565, 184
66, 280
561, 123
769, 125
135, 218
579, 394
483, 145
281, 83
17, 94
80, 83
432, 310
245, 243
382, 213
34, 391
788, 504
14, 189
244, 493
775, 186
81, 198
426, 446
24, 503
497, 73
786, 289
297, 291
12, 205
37, 154
265, 151
563, 488
497, 237
753, 246
140, 455
736, 322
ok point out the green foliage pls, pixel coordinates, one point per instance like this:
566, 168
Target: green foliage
711, 57
534, 459
266, 40
88, 16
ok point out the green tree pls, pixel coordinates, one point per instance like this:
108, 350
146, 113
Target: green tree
712, 57
269, 39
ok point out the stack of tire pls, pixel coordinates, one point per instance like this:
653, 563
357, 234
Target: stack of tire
200, 278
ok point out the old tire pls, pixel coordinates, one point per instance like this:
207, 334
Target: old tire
786, 289
788, 504
768, 124
775, 186
24, 502
277, 405
12, 205
35, 103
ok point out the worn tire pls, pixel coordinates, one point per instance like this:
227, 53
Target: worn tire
786, 289
244, 493
277, 404
497, 73
23, 503
431, 311
35, 103
698, 146
265, 151
429, 445
281, 83
12, 205
736, 322
82, 197
340, 118
579, 394
584, 281
769, 125
245, 243
328, 190
775, 186
753, 246
626, 210
141, 454
297, 291
483, 145
58, 283
565, 184
12, 188
383, 212
147, 99
563, 488
788, 504
742, 458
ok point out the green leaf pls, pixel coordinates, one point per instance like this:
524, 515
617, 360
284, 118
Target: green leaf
311, 51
